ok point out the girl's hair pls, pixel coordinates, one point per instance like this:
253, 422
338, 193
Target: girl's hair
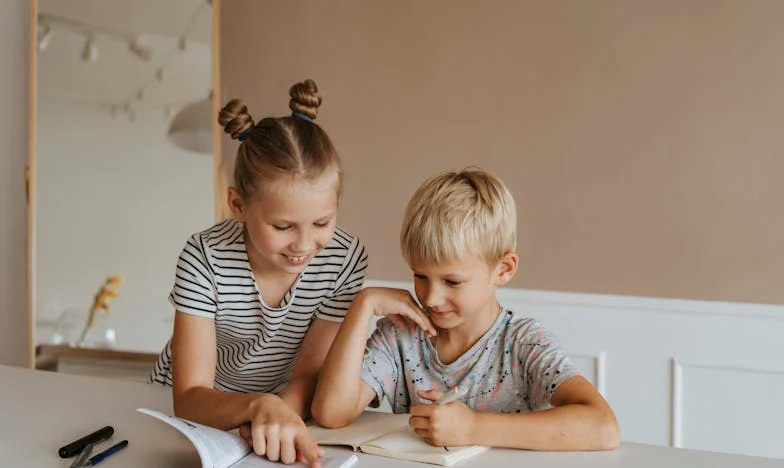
457, 213
279, 146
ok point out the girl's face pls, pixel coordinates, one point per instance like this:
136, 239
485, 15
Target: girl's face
289, 223
461, 293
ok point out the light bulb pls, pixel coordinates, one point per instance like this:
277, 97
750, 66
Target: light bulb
44, 36
143, 52
90, 51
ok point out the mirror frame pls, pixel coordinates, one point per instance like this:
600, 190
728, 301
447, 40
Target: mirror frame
219, 173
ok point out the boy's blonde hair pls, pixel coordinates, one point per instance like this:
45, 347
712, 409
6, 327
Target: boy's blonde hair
458, 213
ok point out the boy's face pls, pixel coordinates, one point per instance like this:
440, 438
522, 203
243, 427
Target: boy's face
461, 292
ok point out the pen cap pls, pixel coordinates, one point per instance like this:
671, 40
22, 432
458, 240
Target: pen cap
77, 446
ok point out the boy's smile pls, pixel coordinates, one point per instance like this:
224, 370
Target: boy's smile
458, 295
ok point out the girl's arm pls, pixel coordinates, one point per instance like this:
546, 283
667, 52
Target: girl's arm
278, 432
299, 391
341, 394
194, 357
580, 420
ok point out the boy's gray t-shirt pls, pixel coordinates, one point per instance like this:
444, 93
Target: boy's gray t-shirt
514, 368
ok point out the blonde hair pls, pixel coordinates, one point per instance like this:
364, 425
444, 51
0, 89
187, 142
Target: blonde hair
455, 213
276, 146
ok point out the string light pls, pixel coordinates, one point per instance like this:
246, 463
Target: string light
158, 76
46, 22
144, 53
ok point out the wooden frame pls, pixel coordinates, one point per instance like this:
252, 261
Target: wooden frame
30, 172
30, 179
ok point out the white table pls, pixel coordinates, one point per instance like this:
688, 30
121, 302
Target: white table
42, 411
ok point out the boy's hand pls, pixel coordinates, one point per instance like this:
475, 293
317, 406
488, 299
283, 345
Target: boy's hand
399, 306
442, 425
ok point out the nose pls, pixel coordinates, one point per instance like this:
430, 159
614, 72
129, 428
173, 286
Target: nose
305, 242
432, 296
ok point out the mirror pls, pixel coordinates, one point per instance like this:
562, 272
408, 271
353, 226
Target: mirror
123, 166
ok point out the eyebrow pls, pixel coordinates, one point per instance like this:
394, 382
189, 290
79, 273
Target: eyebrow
319, 220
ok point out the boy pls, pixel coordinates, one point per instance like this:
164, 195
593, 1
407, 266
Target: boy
459, 238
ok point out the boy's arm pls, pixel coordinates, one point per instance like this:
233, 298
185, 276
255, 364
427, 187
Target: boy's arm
341, 394
580, 420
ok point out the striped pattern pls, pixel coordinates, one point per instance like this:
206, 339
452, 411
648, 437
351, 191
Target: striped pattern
257, 345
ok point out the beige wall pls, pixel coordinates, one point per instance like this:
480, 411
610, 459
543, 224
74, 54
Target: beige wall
13, 158
642, 140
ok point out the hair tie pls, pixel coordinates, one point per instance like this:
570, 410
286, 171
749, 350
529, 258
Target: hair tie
245, 133
301, 116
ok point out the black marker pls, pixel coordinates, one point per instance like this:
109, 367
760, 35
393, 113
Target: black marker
77, 446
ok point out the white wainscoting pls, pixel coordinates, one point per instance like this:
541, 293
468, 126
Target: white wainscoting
693, 374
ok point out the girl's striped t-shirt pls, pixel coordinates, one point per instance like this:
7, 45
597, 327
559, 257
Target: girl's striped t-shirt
257, 345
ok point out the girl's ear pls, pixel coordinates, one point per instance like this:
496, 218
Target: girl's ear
506, 268
236, 204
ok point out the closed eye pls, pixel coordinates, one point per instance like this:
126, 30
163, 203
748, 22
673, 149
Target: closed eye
321, 225
453, 283
281, 228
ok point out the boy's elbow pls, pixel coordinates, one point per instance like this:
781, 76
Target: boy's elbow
328, 415
609, 433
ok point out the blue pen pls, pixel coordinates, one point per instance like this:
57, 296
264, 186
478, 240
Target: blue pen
107, 453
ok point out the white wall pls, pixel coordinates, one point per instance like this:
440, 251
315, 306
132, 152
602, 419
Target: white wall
114, 197
694, 374
13, 159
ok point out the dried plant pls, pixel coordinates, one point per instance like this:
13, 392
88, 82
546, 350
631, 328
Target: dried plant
105, 294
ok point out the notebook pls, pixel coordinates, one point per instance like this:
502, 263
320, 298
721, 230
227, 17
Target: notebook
389, 435
223, 449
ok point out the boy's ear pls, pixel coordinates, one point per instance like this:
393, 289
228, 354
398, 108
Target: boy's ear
506, 268
236, 204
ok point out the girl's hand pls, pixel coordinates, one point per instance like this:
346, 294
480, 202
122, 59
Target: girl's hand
278, 433
442, 425
399, 306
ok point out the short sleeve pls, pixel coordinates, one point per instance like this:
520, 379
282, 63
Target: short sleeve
194, 291
380, 368
350, 281
545, 364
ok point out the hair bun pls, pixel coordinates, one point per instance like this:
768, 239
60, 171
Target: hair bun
235, 119
305, 98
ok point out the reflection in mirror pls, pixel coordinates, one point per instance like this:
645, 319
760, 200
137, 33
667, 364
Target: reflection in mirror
124, 166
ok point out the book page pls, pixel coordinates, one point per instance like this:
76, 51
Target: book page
216, 448
367, 426
331, 459
404, 443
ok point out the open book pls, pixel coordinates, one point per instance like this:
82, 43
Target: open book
222, 449
389, 435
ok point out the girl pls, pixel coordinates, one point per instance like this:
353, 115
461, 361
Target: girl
259, 298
